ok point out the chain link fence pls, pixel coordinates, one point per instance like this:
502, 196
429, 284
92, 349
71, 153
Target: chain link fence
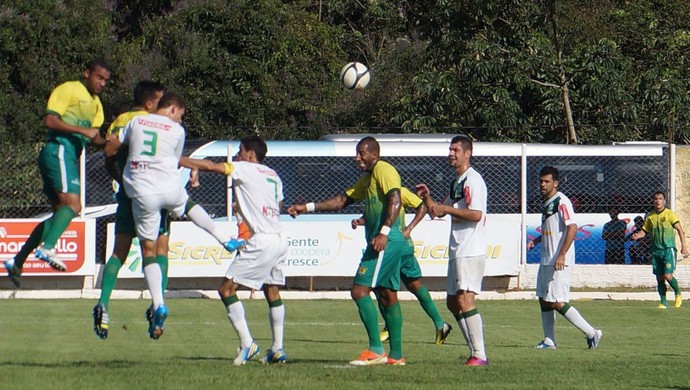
595, 184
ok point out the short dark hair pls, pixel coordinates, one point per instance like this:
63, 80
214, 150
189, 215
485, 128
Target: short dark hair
549, 170
255, 144
659, 193
463, 139
146, 90
370, 143
172, 99
97, 63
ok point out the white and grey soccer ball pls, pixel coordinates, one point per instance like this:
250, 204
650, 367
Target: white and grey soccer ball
354, 76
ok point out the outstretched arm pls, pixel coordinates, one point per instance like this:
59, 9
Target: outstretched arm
333, 203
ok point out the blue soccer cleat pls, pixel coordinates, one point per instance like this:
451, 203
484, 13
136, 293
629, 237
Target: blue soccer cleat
12, 273
271, 357
244, 354
149, 318
234, 244
158, 325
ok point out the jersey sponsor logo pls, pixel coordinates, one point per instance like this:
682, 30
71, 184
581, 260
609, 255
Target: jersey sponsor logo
139, 165
154, 125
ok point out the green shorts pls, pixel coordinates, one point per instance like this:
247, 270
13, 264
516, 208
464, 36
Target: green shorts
409, 266
124, 219
385, 272
59, 167
663, 261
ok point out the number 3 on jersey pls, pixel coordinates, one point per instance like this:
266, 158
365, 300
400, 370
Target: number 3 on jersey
150, 143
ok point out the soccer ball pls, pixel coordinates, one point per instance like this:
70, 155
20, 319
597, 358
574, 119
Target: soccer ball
354, 75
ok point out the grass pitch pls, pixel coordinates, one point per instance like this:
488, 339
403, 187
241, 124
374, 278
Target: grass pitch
50, 344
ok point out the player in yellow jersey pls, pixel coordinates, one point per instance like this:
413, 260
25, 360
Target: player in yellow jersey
147, 93
74, 114
661, 224
410, 271
379, 267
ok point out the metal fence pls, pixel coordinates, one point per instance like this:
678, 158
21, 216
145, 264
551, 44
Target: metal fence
595, 182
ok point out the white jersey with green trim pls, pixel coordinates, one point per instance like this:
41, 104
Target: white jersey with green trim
259, 192
155, 147
556, 214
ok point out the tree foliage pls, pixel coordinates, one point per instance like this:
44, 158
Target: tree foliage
490, 68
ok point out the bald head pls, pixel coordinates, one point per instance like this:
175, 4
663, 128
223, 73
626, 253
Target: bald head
370, 143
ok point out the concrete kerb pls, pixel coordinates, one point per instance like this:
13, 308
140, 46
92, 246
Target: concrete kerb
92, 294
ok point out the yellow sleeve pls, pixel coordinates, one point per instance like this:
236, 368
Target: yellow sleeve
359, 190
648, 226
409, 199
100, 117
673, 218
59, 100
229, 168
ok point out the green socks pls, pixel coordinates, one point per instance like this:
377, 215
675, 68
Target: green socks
163, 262
112, 268
674, 286
367, 312
394, 319
429, 306
60, 220
34, 240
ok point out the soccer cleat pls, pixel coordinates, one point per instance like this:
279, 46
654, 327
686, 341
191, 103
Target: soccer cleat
384, 334
679, 301
395, 362
475, 361
50, 257
593, 342
12, 273
149, 318
369, 358
442, 333
244, 354
158, 325
662, 306
546, 344
234, 244
100, 321
271, 357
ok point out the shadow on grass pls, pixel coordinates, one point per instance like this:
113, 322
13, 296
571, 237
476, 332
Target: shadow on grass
81, 363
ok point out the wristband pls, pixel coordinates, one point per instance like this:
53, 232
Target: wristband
311, 206
385, 230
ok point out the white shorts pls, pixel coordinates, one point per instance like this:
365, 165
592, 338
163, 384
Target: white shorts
260, 261
465, 273
147, 211
552, 285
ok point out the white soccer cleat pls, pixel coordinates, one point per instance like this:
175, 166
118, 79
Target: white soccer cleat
245, 354
593, 342
50, 257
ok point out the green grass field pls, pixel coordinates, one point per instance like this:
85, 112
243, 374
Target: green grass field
50, 344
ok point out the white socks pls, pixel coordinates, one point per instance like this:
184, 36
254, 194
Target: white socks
276, 316
239, 322
548, 322
200, 217
154, 279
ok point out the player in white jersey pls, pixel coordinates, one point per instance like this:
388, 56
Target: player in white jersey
558, 231
466, 204
151, 180
259, 193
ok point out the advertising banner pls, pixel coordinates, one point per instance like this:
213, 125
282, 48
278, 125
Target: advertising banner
74, 247
320, 247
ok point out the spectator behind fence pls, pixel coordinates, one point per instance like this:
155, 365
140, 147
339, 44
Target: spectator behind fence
614, 235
